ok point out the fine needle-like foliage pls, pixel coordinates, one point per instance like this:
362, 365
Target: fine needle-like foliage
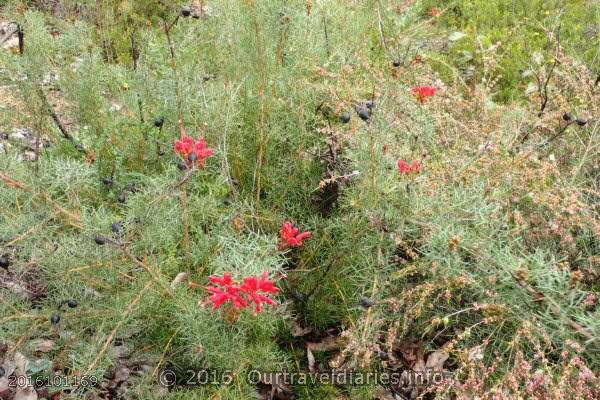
194, 195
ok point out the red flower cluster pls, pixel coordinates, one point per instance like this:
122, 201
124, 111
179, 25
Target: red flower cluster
406, 168
423, 93
436, 12
291, 237
192, 150
254, 289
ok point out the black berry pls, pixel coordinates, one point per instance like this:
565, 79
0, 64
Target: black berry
345, 118
117, 227
55, 319
131, 187
72, 303
567, 117
370, 104
364, 114
397, 63
4, 263
367, 302
158, 122
100, 240
581, 121
122, 198
185, 11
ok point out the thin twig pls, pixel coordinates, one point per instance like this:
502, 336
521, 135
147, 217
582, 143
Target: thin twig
326, 34
381, 31
113, 333
167, 29
135, 55
52, 113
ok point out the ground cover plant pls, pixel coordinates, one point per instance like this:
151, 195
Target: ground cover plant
194, 195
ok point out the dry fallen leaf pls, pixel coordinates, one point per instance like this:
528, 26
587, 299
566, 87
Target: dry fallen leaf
436, 360
21, 366
44, 345
298, 331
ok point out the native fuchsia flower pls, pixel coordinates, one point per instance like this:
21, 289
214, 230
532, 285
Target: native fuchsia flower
409, 168
291, 237
254, 289
193, 151
424, 93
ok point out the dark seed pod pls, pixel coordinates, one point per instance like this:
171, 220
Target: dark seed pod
397, 63
581, 121
107, 181
72, 303
181, 165
122, 198
4, 262
367, 302
370, 104
364, 114
117, 227
159, 121
345, 118
185, 11
55, 319
100, 240
567, 117
193, 157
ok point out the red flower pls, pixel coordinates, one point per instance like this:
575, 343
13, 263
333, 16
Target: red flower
184, 146
406, 168
423, 93
436, 12
227, 292
253, 286
191, 150
254, 289
290, 236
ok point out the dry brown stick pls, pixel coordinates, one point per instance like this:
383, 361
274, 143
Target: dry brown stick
16, 184
10, 182
30, 230
174, 187
113, 333
164, 352
52, 113
167, 29
140, 263
182, 133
